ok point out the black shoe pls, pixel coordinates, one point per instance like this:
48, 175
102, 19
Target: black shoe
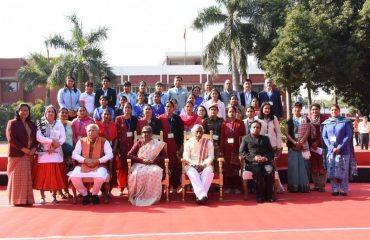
260, 199
86, 199
273, 199
204, 200
335, 193
199, 201
95, 199
343, 194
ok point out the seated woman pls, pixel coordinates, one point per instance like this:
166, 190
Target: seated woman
145, 180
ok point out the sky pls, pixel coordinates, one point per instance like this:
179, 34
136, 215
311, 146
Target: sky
140, 31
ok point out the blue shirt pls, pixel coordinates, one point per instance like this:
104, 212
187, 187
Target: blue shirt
164, 98
69, 98
98, 112
138, 110
131, 98
180, 94
158, 110
225, 96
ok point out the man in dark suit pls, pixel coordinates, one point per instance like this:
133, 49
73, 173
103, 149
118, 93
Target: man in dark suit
273, 97
110, 93
258, 156
247, 94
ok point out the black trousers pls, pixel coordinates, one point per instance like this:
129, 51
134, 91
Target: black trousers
357, 138
264, 175
364, 140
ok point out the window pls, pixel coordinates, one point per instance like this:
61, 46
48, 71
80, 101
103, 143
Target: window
10, 86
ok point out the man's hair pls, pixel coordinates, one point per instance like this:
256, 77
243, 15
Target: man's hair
178, 77
105, 78
89, 84
196, 127
315, 105
92, 125
142, 81
258, 122
247, 80
127, 83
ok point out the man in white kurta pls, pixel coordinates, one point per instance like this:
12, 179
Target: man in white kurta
99, 175
199, 155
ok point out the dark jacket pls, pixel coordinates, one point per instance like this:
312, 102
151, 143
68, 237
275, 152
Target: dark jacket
252, 146
277, 107
242, 97
17, 137
111, 94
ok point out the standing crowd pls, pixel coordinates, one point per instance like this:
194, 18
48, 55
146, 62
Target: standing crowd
91, 135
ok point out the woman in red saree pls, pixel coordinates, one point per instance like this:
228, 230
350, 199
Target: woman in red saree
126, 125
173, 134
232, 130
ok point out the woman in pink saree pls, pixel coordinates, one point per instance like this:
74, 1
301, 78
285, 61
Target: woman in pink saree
145, 180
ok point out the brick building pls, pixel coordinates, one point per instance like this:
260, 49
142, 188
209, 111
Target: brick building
191, 70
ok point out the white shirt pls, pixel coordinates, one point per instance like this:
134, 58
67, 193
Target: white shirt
59, 135
271, 129
108, 153
192, 152
364, 128
89, 101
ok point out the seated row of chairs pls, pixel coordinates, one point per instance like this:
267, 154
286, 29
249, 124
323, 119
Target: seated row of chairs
185, 181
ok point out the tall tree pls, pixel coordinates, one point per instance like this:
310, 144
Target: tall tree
235, 39
83, 57
37, 72
267, 17
317, 47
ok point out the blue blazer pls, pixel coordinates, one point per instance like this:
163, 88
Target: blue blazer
277, 107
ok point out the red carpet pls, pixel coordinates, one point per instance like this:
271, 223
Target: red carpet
294, 216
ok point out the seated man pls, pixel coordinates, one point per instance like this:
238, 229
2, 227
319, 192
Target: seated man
199, 154
91, 153
258, 155
145, 180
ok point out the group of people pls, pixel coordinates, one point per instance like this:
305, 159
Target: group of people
92, 130
362, 130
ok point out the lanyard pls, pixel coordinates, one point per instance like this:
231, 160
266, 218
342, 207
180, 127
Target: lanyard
267, 125
249, 123
128, 123
214, 125
231, 129
79, 128
170, 121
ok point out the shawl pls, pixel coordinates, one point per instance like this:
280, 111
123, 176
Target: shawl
352, 157
150, 150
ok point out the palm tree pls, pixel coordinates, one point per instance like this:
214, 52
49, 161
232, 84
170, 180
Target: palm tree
235, 39
37, 72
83, 58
